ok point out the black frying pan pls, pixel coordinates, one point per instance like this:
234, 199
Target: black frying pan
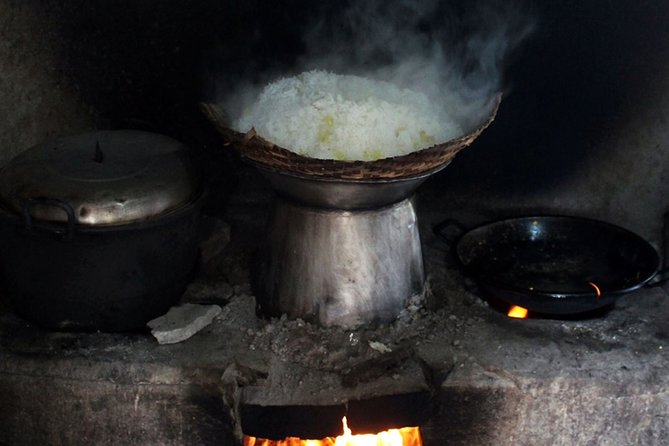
555, 264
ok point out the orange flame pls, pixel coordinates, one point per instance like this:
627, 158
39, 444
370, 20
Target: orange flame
406, 436
597, 290
517, 312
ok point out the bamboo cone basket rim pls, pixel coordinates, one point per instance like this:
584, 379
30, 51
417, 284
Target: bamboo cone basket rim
266, 154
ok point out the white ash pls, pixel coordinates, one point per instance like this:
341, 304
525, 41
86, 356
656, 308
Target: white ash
449, 331
336, 350
240, 314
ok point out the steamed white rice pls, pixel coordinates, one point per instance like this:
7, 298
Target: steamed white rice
324, 115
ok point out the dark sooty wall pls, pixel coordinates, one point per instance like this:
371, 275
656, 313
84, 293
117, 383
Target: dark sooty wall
582, 126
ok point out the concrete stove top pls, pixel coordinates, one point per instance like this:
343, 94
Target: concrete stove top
495, 380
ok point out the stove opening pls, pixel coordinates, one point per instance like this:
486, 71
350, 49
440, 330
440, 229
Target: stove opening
388, 420
406, 436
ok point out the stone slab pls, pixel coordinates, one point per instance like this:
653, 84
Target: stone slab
182, 321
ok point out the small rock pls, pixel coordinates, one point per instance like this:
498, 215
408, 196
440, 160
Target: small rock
379, 347
182, 322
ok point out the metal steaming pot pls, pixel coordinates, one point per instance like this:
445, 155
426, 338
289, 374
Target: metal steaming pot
99, 231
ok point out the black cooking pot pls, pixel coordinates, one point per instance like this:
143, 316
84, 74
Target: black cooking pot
99, 231
557, 265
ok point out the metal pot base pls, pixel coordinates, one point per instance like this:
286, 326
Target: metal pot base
340, 267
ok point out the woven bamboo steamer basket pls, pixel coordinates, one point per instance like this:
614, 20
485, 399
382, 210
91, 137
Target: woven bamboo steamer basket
260, 151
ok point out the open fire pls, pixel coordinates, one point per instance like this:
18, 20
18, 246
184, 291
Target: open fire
406, 436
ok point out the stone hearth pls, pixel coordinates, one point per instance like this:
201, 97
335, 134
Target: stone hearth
493, 380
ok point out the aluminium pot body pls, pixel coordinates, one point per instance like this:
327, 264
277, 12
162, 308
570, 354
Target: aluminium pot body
340, 268
340, 252
99, 231
116, 278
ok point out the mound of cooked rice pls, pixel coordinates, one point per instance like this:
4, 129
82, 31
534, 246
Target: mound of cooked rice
324, 115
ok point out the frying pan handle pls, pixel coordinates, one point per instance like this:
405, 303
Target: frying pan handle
449, 230
658, 279
29, 203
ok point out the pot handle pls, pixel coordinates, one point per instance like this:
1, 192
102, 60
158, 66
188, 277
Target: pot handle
659, 279
449, 230
29, 203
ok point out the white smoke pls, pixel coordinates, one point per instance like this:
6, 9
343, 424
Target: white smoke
454, 54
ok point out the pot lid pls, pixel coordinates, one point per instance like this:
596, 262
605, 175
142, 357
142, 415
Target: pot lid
100, 178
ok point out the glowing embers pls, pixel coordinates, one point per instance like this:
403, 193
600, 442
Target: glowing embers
517, 312
590, 302
406, 436
597, 290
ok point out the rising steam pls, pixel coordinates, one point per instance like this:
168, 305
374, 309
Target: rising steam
453, 53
